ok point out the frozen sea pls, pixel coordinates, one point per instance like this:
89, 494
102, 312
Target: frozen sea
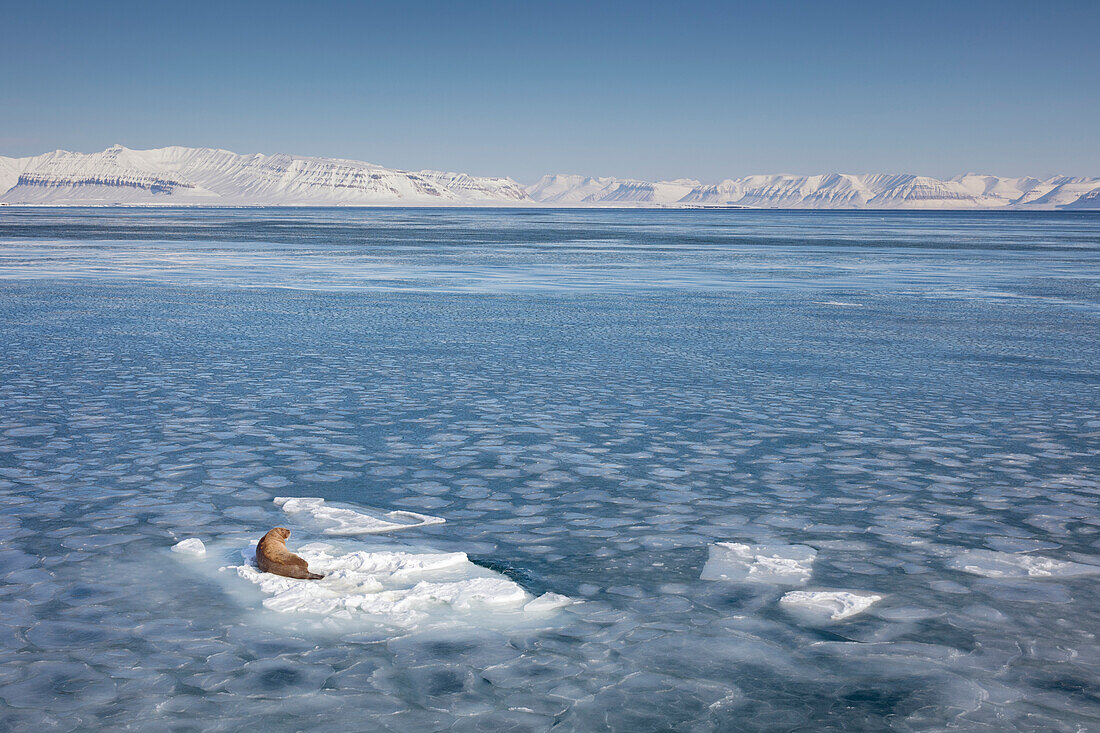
621, 470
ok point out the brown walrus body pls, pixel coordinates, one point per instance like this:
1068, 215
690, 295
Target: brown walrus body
273, 557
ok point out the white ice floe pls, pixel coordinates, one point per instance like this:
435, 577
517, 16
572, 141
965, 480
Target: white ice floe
992, 564
548, 602
836, 605
398, 588
192, 546
344, 521
775, 564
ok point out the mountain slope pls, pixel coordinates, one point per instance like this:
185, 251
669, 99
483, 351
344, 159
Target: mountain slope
205, 176
834, 191
219, 177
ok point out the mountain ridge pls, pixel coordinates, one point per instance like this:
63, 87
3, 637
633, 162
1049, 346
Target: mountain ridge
178, 175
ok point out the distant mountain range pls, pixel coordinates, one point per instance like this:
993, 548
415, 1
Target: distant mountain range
204, 176
832, 191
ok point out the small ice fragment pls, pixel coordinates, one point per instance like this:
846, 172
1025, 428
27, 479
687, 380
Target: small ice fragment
835, 604
293, 505
991, 564
775, 564
192, 546
547, 602
342, 521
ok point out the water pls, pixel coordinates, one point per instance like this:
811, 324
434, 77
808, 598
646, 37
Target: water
901, 407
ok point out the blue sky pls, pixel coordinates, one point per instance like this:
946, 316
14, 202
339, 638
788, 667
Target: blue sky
649, 90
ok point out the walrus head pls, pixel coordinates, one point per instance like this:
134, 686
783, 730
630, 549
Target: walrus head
281, 532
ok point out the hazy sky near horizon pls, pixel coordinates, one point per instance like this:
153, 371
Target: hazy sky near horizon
631, 89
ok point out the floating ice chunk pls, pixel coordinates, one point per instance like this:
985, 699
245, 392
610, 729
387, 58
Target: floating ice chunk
342, 521
548, 602
399, 588
991, 564
775, 564
835, 604
191, 546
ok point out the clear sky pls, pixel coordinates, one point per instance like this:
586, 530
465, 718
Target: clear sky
647, 90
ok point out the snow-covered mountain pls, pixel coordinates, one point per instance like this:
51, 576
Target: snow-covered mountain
205, 176
179, 175
833, 191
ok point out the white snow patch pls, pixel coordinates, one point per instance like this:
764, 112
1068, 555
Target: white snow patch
343, 521
776, 564
192, 546
835, 604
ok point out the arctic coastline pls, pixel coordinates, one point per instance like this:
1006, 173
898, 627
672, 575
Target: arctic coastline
210, 177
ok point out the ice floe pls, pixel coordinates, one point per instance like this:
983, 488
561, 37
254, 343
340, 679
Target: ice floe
992, 564
837, 605
345, 521
191, 546
399, 588
775, 564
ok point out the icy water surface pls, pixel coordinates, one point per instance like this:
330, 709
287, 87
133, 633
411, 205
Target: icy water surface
696, 471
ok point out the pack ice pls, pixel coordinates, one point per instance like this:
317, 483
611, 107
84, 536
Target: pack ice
836, 605
992, 564
775, 564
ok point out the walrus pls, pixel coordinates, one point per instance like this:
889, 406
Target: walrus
273, 557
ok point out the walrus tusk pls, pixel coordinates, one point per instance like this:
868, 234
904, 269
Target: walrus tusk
273, 557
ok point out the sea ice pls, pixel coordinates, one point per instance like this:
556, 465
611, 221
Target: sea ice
399, 588
342, 521
835, 604
991, 564
775, 564
192, 546
587, 443
547, 602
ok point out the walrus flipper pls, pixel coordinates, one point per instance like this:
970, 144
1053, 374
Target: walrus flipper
273, 557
